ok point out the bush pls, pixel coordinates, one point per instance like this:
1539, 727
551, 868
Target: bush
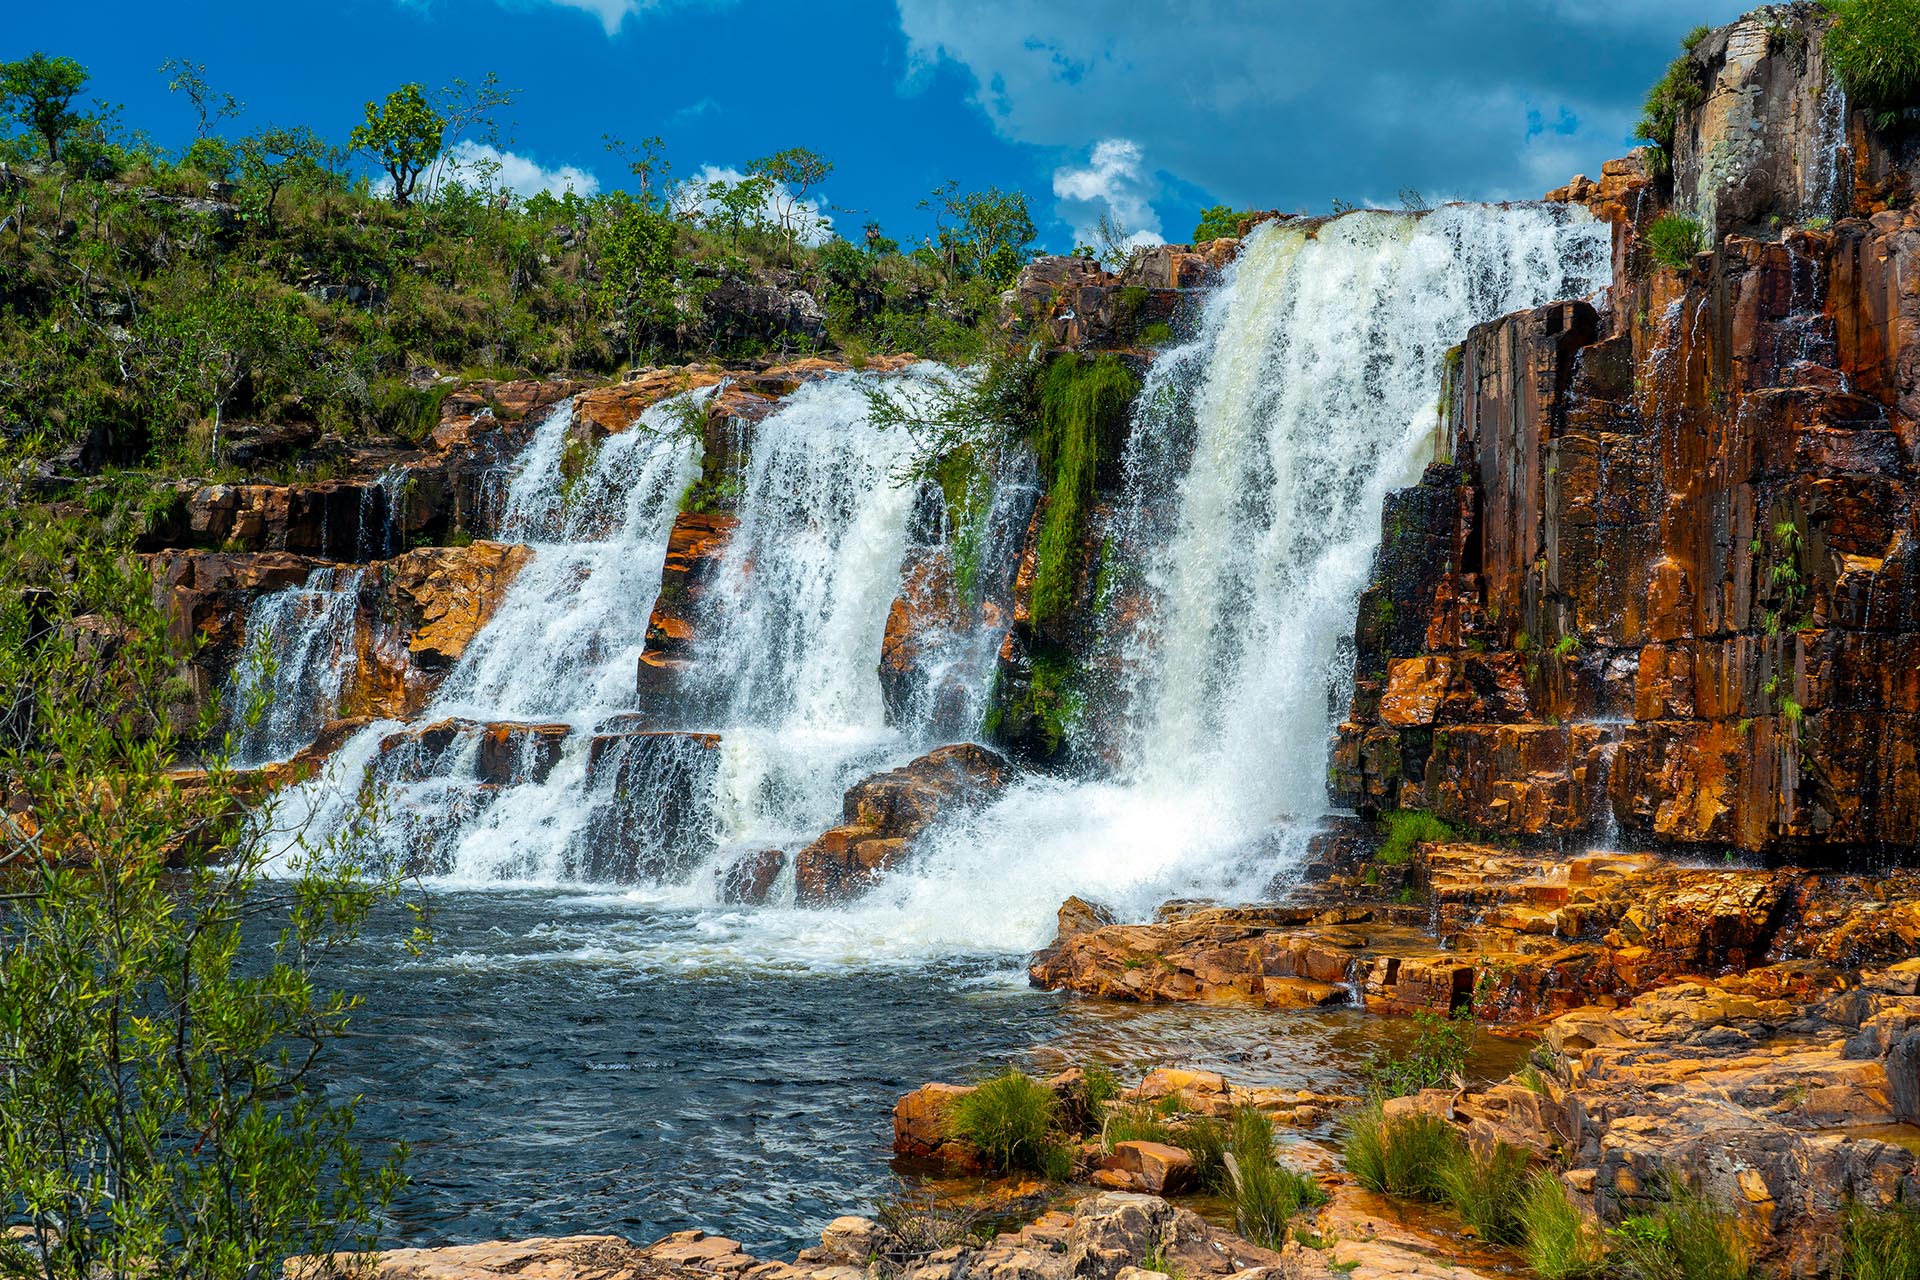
1010, 1120
1486, 1191
1688, 1239
1436, 1058
1874, 47
1407, 1156
1407, 828
1674, 240
1881, 1244
1680, 89
1558, 1241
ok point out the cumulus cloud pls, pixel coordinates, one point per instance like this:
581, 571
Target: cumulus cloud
695, 196
1290, 105
476, 163
1111, 185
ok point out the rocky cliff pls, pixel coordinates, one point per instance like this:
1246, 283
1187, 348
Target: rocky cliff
1660, 584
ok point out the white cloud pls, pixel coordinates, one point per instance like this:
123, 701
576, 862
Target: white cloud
692, 196
476, 163
610, 12
1263, 105
1112, 184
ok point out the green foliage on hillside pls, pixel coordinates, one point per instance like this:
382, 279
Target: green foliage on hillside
1874, 47
148, 296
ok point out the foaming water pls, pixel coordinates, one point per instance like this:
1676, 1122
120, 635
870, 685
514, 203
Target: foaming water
296, 657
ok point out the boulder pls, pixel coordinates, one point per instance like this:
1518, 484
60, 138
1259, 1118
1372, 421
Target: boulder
884, 814
921, 1123
750, 879
1154, 1167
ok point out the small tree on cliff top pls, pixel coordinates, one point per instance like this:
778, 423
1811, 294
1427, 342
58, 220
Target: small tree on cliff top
790, 174
158, 1029
38, 91
404, 136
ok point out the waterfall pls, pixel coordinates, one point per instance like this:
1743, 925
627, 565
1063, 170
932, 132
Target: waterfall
1257, 466
295, 658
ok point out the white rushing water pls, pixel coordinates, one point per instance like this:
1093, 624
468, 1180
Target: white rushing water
294, 662
1257, 467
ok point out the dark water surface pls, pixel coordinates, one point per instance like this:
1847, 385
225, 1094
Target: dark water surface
567, 1063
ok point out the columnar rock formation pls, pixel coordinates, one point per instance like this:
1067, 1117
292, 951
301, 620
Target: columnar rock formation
1663, 580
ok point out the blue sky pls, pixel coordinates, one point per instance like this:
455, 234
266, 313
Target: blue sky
1149, 109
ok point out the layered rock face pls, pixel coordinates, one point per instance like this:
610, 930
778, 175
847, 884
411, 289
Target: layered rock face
1663, 582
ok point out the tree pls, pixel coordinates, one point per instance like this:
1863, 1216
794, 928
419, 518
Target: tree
404, 136
647, 162
737, 206
209, 104
272, 158
636, 267
790, 174
39, 91
158, 1028
466, 109
982, 235
1218, 221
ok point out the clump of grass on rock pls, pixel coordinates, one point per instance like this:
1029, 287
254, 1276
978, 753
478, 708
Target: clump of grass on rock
1010, 1120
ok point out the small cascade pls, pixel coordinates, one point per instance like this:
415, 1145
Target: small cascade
1829, 174
297, 655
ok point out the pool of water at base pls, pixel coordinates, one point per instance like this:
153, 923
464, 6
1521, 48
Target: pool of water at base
552, 1077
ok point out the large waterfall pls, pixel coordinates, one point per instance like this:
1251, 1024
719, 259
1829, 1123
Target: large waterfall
1259, 458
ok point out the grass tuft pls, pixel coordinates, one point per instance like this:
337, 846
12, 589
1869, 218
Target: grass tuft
1673, 240
1689, 1238
1874, 47
1881, 1244
1266, 1194
1558, 1241
1010, 1120
1486, 1190
1407, 828
1406, 1156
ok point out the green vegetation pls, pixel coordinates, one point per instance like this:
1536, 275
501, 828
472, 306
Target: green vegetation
141, 317
1219, 221
1266, 1194
158, 1115
1083, 406
1689, 1238
1407, 829
1406, 1156
1558, 1241
1874, 47
1682, 88
1486, 1190
1138, 1123
1011, 1120
1881, 1244
1673, 240
1435, 1060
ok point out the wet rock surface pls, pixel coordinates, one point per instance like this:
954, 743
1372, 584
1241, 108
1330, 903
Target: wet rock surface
884, 815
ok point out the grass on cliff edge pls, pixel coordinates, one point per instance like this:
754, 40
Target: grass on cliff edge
1407, 828
1874, 47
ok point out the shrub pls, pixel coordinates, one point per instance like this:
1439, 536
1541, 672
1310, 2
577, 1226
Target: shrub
1407, 828
1558, 1241
1486, 1190
1437, 1056
1674, 240
1680, 89
1690, 1238
920, 1221
1874, 47
1010, 1119
1881, 1244
1407, 1156
1217, 221
1102, 1086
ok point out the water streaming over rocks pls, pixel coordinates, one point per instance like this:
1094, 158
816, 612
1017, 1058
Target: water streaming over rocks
1256, 471
297, 655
